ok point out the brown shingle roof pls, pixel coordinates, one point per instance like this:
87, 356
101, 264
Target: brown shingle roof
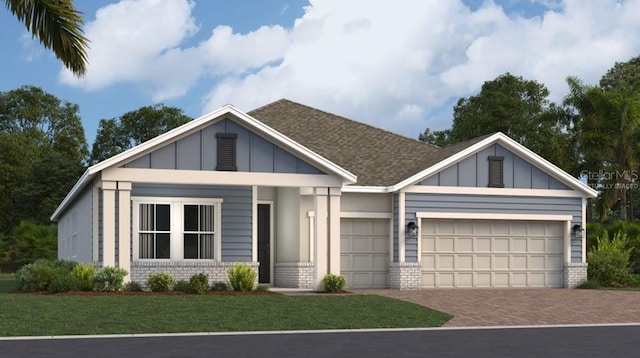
376, 156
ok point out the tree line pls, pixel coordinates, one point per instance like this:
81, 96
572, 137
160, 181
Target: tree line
592, 134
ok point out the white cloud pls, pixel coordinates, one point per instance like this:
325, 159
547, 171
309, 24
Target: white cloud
395, 66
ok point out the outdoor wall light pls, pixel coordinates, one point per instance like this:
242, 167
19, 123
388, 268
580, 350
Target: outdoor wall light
412, 228
577, 231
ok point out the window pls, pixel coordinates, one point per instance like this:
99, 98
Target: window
226, 151
155, 231
199, 231
496, 172
176, 228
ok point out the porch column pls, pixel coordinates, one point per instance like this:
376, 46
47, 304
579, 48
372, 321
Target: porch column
334, 231
124, 229
95, 217
109, 223
321, 237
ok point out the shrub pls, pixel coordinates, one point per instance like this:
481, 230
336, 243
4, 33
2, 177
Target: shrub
242, 277
132, 286
199, 283
109, 279
39, 275
66, 283
589, 284
182, 286
84, 273
333, 283
160, 282
609, 260
220, 286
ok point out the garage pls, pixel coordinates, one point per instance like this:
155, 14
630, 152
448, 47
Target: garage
364, 252
491, 253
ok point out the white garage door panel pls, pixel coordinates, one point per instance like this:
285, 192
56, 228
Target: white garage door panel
364, 252
475, 253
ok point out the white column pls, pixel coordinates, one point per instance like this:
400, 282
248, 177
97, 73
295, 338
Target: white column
567, 242
334, 231
108, 223
124, 228
401, 226
95, 234
584, 227
321, 237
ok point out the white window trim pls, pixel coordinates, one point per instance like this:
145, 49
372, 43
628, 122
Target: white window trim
176, 228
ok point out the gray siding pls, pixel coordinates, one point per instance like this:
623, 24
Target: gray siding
198, 151
236, 212
473, 171
75, 229
498, 204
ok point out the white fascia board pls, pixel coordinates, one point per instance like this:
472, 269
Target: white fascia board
510, 144
366, 189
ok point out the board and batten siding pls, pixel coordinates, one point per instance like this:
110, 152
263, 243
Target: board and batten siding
198, 151
75, 234
473, 171
236, 212
491, 204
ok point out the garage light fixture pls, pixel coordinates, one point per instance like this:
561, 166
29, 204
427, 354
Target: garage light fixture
577, 231
412, 228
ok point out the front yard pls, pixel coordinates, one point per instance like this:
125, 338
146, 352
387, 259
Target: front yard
46, 314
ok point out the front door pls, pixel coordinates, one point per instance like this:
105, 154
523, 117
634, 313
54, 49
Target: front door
264, 243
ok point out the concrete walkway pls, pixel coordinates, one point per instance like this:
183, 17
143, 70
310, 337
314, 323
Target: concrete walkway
507, 307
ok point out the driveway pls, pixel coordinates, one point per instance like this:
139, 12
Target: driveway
511, 307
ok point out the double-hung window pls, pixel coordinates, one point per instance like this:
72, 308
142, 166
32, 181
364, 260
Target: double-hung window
154, 231
176, 228
199, 231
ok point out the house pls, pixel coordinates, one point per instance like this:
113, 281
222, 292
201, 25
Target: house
297, 193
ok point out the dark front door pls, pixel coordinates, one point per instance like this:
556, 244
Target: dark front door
264, 243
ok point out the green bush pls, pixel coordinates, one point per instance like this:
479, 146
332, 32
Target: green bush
182, 286
609, 260
39, 275
132, 286
590, 284
242, 277
220, 286
66, 283
84, 273
160, 282
199, 283
109, 279
333, 283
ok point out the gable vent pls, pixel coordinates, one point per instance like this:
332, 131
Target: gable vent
226, 151
496, 172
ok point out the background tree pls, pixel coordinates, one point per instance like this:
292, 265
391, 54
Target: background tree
43, 151
132, 128
439, 138
58, 26
517, 107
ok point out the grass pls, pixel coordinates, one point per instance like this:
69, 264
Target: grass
30, 315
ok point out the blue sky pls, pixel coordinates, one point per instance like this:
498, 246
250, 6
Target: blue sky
399, 67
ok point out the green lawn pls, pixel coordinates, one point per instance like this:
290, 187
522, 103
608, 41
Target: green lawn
29, 315
7, 282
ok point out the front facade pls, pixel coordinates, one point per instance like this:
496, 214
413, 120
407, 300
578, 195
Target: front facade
298, 193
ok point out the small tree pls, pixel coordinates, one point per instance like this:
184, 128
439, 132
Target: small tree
609, 260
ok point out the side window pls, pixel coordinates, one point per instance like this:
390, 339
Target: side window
496, 172
226, 152
199, 231
155, 231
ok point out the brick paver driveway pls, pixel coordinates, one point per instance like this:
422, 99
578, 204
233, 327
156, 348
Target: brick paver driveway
506, 307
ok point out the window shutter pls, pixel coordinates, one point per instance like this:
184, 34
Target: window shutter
226, 152
496, 172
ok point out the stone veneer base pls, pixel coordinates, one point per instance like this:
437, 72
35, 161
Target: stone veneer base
404, 275
294, 274
183, 270
574, 274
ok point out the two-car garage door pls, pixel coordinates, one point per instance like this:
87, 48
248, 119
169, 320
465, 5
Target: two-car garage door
491, 253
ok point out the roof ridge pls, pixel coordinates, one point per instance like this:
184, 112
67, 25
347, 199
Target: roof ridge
283, 100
